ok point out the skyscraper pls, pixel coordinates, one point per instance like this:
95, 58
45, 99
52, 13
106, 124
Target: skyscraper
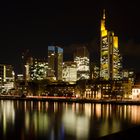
51, 61
39, 69
36, 69
110, 59
81, 58
59, 63
55, 61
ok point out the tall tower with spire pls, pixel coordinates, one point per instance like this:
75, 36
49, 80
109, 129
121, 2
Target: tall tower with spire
110, 59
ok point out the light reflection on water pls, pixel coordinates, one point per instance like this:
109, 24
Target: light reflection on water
53, 120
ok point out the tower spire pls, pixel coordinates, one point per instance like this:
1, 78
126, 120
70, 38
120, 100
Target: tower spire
104, 14
103, 28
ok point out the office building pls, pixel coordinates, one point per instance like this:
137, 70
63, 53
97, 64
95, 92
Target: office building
27, 74
128, 75
69, 72
81, 58
110, 59
59, 63
94, 71
7, 77
55, 61
39, 70
36, 69
51, 61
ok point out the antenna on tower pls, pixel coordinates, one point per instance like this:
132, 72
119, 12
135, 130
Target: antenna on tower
103, 13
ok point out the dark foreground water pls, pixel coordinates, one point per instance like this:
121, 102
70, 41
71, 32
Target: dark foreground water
28, 120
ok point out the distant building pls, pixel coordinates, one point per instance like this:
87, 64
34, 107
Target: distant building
39, 69
36, 69
51, 61
19, 77
136, 92
55, 61
128, 75
25, 58
7, 77
27, 74
59, 63
81, 58
69, 72
94, 71
110, 59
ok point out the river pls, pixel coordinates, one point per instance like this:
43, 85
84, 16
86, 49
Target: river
40, 120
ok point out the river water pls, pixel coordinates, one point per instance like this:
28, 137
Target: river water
36, 120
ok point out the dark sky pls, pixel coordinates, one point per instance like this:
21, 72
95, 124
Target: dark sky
36, 24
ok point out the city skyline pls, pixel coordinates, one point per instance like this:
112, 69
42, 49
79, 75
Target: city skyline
34, 26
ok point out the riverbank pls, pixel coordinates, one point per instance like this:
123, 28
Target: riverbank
71, 99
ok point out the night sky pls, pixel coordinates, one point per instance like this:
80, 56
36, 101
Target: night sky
36, 24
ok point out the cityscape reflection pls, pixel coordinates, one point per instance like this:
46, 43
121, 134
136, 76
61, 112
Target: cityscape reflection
54, 120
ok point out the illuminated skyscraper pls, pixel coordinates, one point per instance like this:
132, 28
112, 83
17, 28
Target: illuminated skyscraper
81, 58
55, 61
69, 71
36, 69
110, 59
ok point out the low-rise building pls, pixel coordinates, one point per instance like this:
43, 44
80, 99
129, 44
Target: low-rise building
136, 92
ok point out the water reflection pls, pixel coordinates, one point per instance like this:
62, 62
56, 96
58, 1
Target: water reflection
7, 115
76, 125
53, 120
135, 114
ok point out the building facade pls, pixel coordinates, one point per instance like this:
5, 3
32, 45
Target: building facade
69, 71
51, 61
59, 63
128, 75
55, 62
81, 58
110, 58
7, 77
36, 69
